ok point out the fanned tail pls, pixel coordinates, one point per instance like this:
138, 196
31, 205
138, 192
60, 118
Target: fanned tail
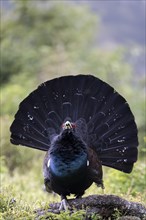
102, 116
113, 131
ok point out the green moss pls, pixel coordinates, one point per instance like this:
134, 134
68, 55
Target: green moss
12, 207
77, 215
127, 184
22, 193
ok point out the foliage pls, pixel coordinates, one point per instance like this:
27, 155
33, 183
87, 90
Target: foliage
77, 215
13, 207
15, 156
116, 214
128, 184
35, 33
14, 93
21, 198
10, 209
40, 41
96, 217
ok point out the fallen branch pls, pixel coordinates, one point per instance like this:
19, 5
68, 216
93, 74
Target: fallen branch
103, 205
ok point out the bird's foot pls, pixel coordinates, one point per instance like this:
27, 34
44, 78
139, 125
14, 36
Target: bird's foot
102, 186
78, 197
102, 190
64, 205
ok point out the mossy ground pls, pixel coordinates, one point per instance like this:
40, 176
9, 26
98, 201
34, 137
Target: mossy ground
22, 193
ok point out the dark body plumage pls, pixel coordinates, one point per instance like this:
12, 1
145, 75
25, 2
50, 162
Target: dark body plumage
68, 171
101, 131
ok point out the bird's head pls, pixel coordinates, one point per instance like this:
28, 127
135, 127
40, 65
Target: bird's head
68, 125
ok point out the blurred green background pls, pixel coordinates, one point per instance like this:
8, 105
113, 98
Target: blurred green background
41, 40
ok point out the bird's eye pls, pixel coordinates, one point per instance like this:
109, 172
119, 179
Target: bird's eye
73, 125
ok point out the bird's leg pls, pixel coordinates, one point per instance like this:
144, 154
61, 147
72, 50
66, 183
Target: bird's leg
79, 195
64, 204
102, 190
101, 185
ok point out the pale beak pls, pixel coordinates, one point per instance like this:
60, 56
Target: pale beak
67, 125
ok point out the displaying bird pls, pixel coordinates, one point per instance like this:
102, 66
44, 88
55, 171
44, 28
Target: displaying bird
82, 123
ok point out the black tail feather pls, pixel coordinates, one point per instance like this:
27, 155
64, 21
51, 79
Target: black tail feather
103, 118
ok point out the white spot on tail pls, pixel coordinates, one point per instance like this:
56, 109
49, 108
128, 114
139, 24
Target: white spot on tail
48, 164
87, 163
